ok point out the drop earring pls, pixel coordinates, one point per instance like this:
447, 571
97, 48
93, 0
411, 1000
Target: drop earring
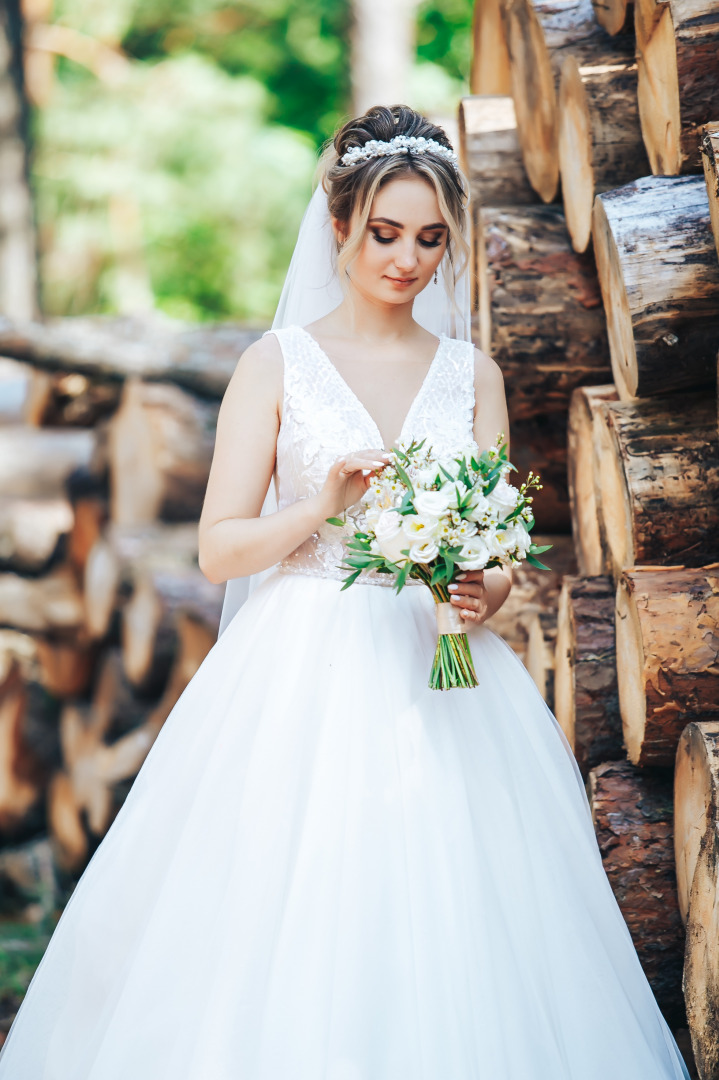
435, 277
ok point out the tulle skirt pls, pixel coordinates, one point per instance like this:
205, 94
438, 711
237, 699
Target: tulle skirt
326, 871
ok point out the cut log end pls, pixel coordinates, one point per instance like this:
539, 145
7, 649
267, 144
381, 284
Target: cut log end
616, 304
575, 155
696, 800
613, 15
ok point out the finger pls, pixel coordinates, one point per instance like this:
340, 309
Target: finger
468, 588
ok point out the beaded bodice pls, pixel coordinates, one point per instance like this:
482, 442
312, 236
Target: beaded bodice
322, 419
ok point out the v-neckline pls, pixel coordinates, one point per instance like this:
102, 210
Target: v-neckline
363, 408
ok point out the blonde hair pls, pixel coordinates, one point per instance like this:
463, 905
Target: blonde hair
353, 187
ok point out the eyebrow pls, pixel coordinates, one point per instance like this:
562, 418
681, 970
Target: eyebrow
399, 225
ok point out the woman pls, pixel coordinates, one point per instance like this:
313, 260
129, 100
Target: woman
326, 870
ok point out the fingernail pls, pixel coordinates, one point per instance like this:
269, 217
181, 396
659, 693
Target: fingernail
378, 464
453, 588
461, 577
465, 612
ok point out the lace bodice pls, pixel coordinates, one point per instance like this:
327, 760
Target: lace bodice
322, 419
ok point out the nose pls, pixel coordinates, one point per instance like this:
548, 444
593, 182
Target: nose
406, 258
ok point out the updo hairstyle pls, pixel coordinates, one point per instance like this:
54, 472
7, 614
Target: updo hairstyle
351, 187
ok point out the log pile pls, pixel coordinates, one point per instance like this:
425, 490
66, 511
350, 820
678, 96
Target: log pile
106, 436
616, 111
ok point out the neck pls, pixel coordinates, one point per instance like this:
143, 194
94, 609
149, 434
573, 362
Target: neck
372, 320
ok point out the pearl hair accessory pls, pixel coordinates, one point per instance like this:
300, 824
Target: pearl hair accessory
400, 144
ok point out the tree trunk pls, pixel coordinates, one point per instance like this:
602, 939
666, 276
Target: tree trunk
37, 463
382, 52
490, 72
18, 273
534, 96
696, 800
710, 159
660, 282
160, 447
678, 91
632, 812
541, 319
585, 503
659, 480
586, 700
201, 360
667, 657
613, 15
701, 958
539, 659
600, 140
490, 152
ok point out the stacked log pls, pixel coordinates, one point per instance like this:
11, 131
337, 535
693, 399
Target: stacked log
678, 89
632, 814
659, 278
604, 94
105, 449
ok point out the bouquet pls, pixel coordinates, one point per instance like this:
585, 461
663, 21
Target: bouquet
429, 517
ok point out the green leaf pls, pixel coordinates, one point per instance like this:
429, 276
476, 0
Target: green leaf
537, 549
334, 521
405, 479
537, 563
438, 574
350, 580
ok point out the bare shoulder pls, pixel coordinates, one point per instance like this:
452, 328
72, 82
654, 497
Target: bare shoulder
258, 371
487, 373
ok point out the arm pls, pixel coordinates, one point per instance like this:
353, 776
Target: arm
233, 539
485, 591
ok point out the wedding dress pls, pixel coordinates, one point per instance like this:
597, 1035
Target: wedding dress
327, 871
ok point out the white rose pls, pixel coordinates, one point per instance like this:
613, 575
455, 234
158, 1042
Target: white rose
431, 502
424, 552
476, 554
420, 527
504, 498
453, 491
480, 507
521, 540
391, 537
499, 542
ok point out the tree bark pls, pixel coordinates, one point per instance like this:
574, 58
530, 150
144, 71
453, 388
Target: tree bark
541, 319
659, 277
659, 480
696, 800
490, 152
632, 812
490, 72
600, 141
678, 90
382, 52
586, 699
710, 159
18, 272
667, 657
585, 496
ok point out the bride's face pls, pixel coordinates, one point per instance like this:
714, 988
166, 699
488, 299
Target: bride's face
404, 242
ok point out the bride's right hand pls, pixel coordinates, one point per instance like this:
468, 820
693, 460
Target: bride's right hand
346, 482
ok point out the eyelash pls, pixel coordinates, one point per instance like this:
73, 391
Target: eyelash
389, 239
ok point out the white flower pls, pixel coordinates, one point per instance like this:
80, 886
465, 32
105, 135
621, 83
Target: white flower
476, 554
419, 527
521, 540
391, 537
503, 498
465, 529
431, 502
480, 508
424, 552
453, 491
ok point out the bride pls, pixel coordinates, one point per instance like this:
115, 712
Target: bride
324, 869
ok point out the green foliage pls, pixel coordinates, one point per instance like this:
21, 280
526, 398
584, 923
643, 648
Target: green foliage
181, 185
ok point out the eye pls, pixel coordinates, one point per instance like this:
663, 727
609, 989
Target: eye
431, 243
383, 239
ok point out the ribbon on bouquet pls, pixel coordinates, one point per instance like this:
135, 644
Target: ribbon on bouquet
449, 620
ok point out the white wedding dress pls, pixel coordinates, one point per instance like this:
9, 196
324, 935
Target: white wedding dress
327, 871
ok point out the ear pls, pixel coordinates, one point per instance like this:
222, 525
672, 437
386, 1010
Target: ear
339, 229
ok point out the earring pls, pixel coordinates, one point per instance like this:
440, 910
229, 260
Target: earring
435, 277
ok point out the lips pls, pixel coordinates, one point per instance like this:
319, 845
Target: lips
402, 281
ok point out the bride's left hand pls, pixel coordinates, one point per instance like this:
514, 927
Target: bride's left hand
469, 593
